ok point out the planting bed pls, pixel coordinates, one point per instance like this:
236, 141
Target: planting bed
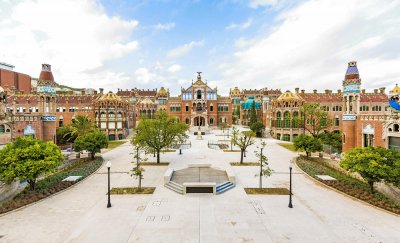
245, 164
154, 164
52, 184
268, 191
132, 190
223, 146
348, 185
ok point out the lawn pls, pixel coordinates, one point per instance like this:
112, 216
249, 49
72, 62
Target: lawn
132, 190
347, 184
288, 146
267, 191
114, 144
245, 164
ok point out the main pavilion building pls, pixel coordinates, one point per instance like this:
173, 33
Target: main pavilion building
37, 107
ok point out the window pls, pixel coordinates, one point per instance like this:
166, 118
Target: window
286, 120
364, 108
198, 94
223, 107
295, 122
187, 121
187, 107
60, 122
337, 121
211, 107
325, 108
2, 128
377, 108
278, 119
286, 137
175, 108
211, 121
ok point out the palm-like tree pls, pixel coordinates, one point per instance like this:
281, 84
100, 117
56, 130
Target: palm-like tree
81, 125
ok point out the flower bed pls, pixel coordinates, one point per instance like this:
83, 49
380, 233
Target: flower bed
154, 164
347, 184
52, 184
223, 146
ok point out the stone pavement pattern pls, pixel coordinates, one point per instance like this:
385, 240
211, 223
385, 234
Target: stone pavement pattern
80, 214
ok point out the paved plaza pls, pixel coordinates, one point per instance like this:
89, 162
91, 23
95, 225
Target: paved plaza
79, 214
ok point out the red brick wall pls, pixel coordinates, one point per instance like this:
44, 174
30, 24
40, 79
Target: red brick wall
20, 81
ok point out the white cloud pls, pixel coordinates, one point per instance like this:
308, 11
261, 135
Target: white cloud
311, 44
76, 37
184, 49
174, 68
166, 26
263, 3
143, 75
241, 26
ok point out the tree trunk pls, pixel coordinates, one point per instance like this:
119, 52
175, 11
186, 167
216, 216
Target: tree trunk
308, 154
371, 186
241, 156
140, 182
158, 156
31, 184
92, 155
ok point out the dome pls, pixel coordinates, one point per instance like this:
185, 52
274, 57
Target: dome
289, 96
235, 91
395, 90
46, 76
162, 92
352, 71
249, 103
110, 96
147, 101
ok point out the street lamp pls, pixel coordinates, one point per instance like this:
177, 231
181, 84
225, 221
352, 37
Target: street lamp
261, 166
108, 165
290, 184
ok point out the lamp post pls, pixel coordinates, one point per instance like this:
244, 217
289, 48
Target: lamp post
261, 166
108, 165
290, 184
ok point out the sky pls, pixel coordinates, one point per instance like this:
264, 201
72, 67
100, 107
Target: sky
249, 44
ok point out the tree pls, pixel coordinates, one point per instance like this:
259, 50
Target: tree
92, 142
264, 166
160, 133
81, 125
235, 133
307, 143
373, 164
258, 128
65, 134
313, 118
253, 113
333, 139
138, 170
27, 159
243, 140
223, 126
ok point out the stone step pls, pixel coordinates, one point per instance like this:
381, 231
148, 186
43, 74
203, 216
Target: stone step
225, 189
174, 188
223, 184
175, 184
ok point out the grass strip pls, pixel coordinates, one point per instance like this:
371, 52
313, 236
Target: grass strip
132, 190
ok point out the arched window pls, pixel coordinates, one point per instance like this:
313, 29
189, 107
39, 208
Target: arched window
2, 128
396, 127
60, 121
286, 119
295, 120
187, 121
198, 94
111, 115
211, 121
278, 119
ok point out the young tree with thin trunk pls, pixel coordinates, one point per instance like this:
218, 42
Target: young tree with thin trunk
307, 143
92, 142
243, 140
160, 133
138, 170
265, 171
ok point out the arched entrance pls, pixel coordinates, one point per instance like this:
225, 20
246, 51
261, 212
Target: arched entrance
199, 121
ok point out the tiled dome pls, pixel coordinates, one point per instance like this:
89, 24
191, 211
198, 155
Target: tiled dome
352, 71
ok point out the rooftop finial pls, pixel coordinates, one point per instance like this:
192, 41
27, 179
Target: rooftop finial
198, 75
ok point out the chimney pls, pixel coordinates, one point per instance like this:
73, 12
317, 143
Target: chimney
101, 91
303, 91
382, 90
363, 91
82, 92
314, 91
339, 91
375, 91
297, 90
327, 91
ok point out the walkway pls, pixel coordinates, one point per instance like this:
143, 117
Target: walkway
80, 214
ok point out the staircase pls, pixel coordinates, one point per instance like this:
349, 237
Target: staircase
174, 187
224, 187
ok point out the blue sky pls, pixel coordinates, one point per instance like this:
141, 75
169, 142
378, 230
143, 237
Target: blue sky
250, 44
